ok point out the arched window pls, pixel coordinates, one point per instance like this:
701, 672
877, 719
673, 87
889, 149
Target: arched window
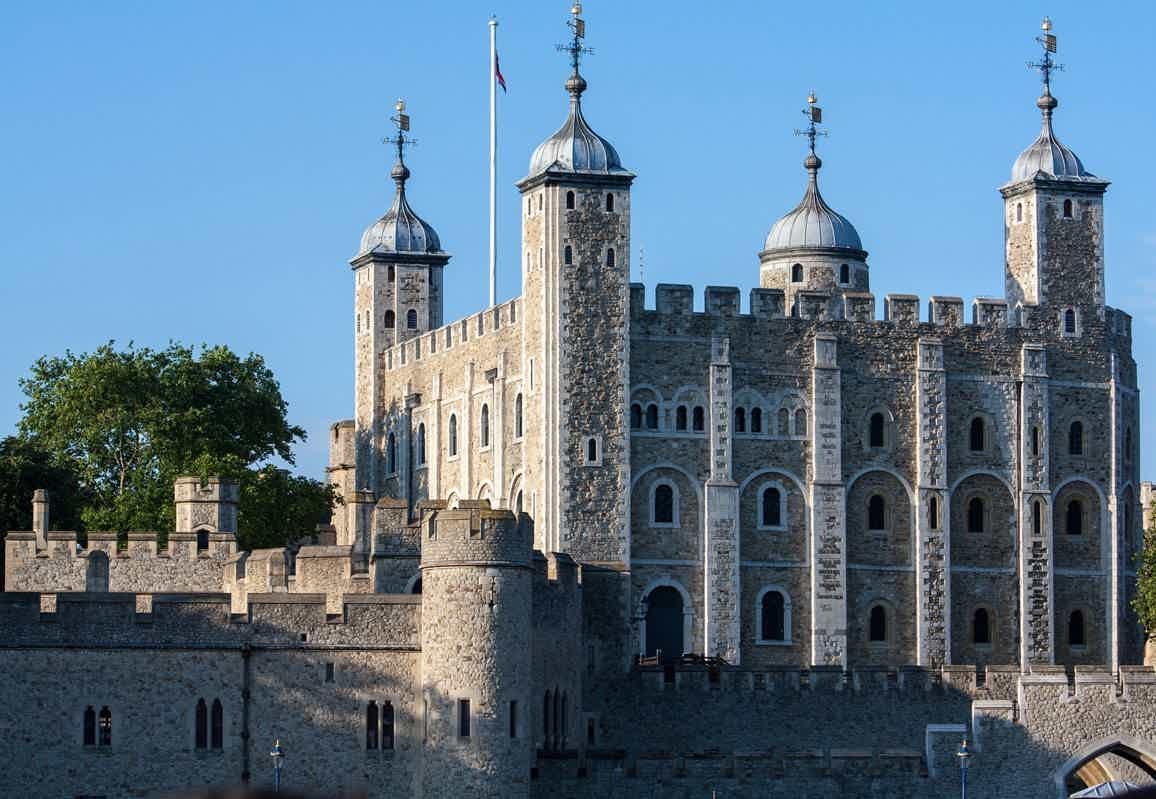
773, 621
217, 726
89, 726
877, 625
652, 417
876, 513
202, 540
96, 572
1077, 635
975, 515
610, 257
421, 444
389, 274
592, 450
662, 505
844, 274
740, 420
485, 426
609, 202
201, 737
800, 422
411, 319
784, 422
1037, 518
391, 454
1019, 212
680, 418
569, 201
877, 432
981, 627
771, 511
1076, 439
518, 416
977, 439
1035, 442
105, 727
389, 320
635, 416
1070, 321
1075, 517
568, 255
1067, 209
698, 419
797, 273
933, 513
371, 725
756, 420
453, 435
387, 725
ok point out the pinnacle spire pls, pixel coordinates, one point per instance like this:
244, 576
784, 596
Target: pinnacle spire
814, 115
1045, 66
576, 49
400, 172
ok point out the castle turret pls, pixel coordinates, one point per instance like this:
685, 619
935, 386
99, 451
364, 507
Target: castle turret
575, 275
475, 654
1054, 220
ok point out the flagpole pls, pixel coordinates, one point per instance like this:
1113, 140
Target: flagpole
493, 161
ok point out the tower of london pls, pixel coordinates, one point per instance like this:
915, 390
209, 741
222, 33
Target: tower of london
801, 542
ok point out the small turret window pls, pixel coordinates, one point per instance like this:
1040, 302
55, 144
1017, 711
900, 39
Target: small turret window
756, 420
652, 417
1067, 209
698, 419
1076, 439
390, 275
411, 319
977, 438
105, 727
635, 416
609, 202
740, 420
610, 257
797, 273
518, 416
421, 444
1070, 327
541, 202
391, 454
485, 426
1019, 212
680, 418
568, 255
1076, 633
570, 200
453, 435
390, 320
844, 274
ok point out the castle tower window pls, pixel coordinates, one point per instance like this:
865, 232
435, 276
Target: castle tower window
389, 320
217, 726
202, 540
570, 201
485, 426
844, 274
1019, 212
652, 417
1067, 209
453, 435
635, 416
876, 513
568, 255
328, 672
1035, 442
774, 619
975, 515
518, 416
201, 736
411, 319
371, 725
591, 451
1075, 517
1076, 439
662, 505
96, 572
666, 627
981, 627
387, 725
105, 727
771, 508
1070, 326
609, 202
877, 625
1037, 518
463, 718
610, 257
680, 418
977, 438
698, 419
876, 434
740, 420
933, 513
797, 273
421, 444
1077, 635
756, 420
389, 273
800, 422
89, 726
541, 201
391, 454
513, 718
784, 422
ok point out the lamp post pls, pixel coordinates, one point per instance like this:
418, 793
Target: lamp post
278, 755
964, 755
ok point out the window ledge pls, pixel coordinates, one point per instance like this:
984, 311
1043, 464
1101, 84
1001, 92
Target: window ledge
664, 525
486, 448
776, 529
761, 642
452, 458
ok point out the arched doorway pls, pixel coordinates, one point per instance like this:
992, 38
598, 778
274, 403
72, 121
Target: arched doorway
664, 623
1100, 763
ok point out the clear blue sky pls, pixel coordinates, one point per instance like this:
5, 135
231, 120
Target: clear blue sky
202, 171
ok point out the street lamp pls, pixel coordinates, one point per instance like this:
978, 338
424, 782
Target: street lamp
278, 755
964, 755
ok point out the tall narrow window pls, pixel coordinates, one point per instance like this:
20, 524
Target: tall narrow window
371, 725
933, 513
463, 718
453, 435
610, 257
411, 319
1075, 517
1070, 322
105, 728
663, 510
391, 454
800, 422
513, 718
1035, 442
876, 513
773, 625
784, 422
1019, 212
652, 417
387, 725
202, 540
389, 274
975, 515
635, 416
89, 726
217, 726
1037, 518
328, 672
772, 515
1077, 635
698, 419
797, 273
421, 444
877, 431
609, 202
1076, 439
518, 416
201, 737
844, 274
485, 426
389, 320
740, 420
756, 420
680, 418
568, 255
977, 439
569, 201
877, 625
592, 450
1067, 209
981, 627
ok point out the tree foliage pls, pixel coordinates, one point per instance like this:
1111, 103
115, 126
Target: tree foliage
1144, 603
24, 467
128, 421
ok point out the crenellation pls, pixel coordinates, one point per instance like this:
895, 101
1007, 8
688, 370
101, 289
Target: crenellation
945, 311
901, 309
674, 298
721, 300
988, 312
768, 303
859, 306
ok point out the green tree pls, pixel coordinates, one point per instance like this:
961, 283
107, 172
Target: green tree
1144, 603
129, 421
24, 467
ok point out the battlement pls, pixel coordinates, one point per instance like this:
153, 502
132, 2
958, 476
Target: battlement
454, 335
475, 533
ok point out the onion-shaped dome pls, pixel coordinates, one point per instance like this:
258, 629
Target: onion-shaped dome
576, 147
813, 223
1046, 154
401, 230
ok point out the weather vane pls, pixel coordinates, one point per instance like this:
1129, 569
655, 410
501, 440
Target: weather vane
575, 48
400, 140
814, 115
1047, 64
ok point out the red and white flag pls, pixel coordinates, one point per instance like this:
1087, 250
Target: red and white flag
498, 73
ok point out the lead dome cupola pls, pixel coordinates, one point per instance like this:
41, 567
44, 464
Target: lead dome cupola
813, 223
